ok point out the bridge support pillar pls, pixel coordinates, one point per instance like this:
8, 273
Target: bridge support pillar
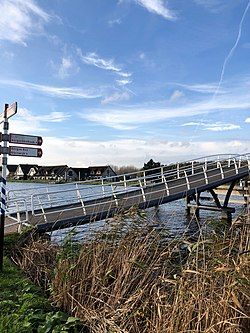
188, 209
226, 215
195, 211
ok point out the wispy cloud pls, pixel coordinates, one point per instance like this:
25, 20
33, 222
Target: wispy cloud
113, 22
106, 64
177, 94
60, 92
247, 121
30, 123
214, 127
158, 7
20, 19
67, 67
123, 82
116, 97
138, 115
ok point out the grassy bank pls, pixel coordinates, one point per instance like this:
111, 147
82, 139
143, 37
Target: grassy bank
24, 307
135, 280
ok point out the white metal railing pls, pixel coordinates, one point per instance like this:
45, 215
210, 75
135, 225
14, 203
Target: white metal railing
55, 195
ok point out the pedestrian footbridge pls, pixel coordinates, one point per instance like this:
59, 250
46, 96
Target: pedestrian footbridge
55, 206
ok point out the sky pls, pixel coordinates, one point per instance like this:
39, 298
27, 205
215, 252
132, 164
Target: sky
122, 81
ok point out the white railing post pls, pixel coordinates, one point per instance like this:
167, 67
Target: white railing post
166, 184
192, 167
205, 164
42, 209
187, 180
18, 218
221, 170
78, 193
236, 167
103, 188
162, 175
124, 181
205, 174
142, 191
47, 190
240, 159
144, 178
178, 170
114, 195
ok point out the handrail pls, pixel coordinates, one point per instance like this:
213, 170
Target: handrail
149, 176
141, 181
114, 197
86, 182
114, 193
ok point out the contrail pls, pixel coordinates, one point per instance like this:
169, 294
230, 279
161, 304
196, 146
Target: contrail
231, 52
228, 57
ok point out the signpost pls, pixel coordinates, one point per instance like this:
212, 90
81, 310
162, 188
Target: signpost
25, 151
5, 137
25, 139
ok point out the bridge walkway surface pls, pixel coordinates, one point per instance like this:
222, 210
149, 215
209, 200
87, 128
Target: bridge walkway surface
60, 206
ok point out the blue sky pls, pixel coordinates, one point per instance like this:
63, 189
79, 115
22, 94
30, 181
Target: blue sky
121, 81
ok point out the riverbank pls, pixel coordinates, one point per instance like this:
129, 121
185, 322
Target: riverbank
24, 307
137, 280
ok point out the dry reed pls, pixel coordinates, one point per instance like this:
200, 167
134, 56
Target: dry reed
138, 283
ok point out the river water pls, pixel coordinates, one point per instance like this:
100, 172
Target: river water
170, 217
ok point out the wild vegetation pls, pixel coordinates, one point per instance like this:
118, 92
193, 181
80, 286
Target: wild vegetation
137, 280
24, 308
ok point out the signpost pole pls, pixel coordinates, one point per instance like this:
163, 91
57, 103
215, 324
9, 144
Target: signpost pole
3, 186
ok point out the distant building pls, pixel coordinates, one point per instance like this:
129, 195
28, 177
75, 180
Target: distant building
81, 173
22, 171
101, 172
11, 170
58, 173
53, 173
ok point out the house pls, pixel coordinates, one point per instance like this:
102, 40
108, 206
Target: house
81, 173
53, 172
11, 169
56, 173
23, 170
101, 172
32, 172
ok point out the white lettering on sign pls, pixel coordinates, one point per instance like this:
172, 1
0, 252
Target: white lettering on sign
25, 139
25, 151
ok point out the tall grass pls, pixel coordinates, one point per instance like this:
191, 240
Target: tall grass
137, 282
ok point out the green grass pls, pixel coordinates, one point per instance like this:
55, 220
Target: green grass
24, 307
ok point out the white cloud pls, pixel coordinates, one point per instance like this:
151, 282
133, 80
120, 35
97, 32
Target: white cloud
29, 123
116, 97
247, 121
177, 94
106, 64
220, 127
60, 92
67, 68
138, 115
20, 19
157, 7
114, 22
123, 82
214, 127
136, 152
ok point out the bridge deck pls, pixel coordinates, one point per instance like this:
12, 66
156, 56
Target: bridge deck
157, 190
